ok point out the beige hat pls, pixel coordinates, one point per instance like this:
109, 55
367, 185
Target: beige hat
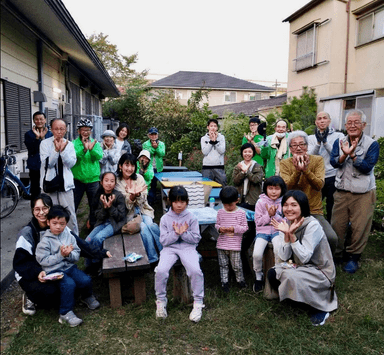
145, 153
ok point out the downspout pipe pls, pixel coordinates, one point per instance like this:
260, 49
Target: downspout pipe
348, 8
40, 82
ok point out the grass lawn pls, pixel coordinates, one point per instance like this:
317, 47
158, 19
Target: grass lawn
239, 323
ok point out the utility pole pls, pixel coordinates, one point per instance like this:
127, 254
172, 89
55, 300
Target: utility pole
276, 85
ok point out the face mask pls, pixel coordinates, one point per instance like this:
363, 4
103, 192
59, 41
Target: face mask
280, 135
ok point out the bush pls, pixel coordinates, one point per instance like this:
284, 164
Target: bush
379, 167
378, 214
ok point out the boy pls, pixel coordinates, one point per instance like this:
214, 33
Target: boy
213, 148
231, 224
57, 252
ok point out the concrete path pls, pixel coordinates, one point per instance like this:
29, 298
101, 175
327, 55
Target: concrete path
10, 226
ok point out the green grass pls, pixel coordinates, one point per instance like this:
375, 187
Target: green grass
239, 323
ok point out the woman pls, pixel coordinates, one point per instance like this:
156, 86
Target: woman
28, 271
247, 177
310, 278
111, 154
122, 143
134, 190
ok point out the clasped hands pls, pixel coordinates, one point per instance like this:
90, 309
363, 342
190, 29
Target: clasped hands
40, 133
224, 230
180, 228
271, 210
107, 200
213, 135
60, 144
300, 162
288, 230
65, 250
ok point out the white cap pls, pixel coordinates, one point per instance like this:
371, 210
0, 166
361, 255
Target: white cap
145, 153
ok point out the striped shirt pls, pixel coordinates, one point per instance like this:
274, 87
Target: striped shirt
235, 219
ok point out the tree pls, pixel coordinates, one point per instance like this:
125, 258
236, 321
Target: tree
117, 65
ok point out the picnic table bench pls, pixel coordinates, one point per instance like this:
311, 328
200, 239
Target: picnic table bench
113, 268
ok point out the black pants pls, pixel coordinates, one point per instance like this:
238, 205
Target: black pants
34, 177
327, 192
44, 295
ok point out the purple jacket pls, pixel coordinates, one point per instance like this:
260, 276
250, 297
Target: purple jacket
168, 235
262, 218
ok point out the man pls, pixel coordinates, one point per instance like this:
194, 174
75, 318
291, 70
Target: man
276, 149
156, 149
321, 143
354, 157
213, 148
32, 140
144, 167
86, 171
307, 173
254, 137
58, 156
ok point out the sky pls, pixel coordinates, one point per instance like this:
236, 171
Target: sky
244, 38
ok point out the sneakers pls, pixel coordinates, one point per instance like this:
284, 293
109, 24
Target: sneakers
351, 267
197, 311
91, 302
71, 319
242, 284
225, 287
28, 306
161, 309
319, 318
258, 286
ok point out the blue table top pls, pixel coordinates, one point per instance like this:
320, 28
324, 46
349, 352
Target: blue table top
176, 175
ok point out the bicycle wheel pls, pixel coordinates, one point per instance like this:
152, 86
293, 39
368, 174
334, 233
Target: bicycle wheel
9, 198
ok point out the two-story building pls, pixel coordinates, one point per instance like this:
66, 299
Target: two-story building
337, 48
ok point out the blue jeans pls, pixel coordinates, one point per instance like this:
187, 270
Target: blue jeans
73, 278
150, 234
152, 190
97, 237
267, 237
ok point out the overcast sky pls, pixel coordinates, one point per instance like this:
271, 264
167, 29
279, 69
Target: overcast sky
244, 38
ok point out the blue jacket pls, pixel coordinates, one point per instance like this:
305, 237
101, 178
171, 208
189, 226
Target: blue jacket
33, 147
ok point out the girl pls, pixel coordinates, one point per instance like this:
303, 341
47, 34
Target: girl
111, 154
134, 190
232, 224
110, 211
179, 235
311, 279
268, 207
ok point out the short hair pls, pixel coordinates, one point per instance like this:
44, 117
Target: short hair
178, 193
56, 120
325, 113
360, 113
281, 120
121, 126
275, 181
229, 194
301, 199
47, 201
297, 134
127, 158
247, 145
38, 113
254, 119
214, 120
58, 211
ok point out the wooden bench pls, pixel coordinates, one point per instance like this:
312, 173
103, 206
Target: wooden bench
113, 268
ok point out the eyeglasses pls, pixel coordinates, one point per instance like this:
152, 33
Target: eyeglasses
301, 145
353, 123
43, 209
59, 129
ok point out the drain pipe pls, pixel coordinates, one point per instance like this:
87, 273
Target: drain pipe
39, 47
348, 8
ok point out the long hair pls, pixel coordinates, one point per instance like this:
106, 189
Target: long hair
127, 158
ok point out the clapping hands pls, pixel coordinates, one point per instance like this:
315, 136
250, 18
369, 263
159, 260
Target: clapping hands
300, 162
271, 209
65, 250
180, 228
288, 230
107, 201
349, 149
40, 133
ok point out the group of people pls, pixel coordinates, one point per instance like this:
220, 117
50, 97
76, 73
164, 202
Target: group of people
282, 177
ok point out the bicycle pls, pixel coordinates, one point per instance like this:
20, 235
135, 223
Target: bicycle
11, 185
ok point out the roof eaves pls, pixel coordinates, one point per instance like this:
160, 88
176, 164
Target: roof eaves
303, 10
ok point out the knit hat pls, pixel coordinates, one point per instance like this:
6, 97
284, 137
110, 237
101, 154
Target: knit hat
108, 133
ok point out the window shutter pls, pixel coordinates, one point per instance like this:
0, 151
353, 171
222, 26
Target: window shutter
17, 107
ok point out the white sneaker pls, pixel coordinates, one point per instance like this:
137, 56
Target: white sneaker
197, 311
161, 309
28, 306
71, 319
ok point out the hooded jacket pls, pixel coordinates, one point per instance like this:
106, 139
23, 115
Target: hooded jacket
262, 217
213, 153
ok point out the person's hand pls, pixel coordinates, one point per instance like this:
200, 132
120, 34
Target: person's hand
325, 135
176, 228
103, 199
348, 150
318, 136
300, 162
271, 209
43, 132
110, 200
36, 132
41, 275
154, 144
91, 144
57, 144
183, 228
295, 225
212, 136
108, 253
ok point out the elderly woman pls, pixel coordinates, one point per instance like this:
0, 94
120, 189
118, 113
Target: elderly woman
122, 134
307, 272
247, 177
134, 190
28, 272
111, 154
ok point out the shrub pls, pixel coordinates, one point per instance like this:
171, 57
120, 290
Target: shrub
379, 167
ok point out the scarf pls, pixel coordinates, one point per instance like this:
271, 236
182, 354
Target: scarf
246, 180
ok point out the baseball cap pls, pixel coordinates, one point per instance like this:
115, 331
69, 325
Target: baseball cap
153, 130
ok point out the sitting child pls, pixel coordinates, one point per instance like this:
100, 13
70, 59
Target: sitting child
268, 207
232, 224
57, 252
179, 235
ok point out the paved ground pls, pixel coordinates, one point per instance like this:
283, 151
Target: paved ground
10, 226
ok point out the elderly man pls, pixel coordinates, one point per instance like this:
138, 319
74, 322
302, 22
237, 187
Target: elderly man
276, 149
306, 173
58, 156
321, 143
354, 157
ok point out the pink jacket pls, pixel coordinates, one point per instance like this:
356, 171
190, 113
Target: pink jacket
262, 218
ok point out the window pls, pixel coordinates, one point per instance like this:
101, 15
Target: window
371, 27
18, 117
363, 103
230, 96
178, 94
305, 51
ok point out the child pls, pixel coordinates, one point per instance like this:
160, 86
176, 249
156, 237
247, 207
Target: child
58, 252
179, 235
268, 207
110, 211
231, 223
